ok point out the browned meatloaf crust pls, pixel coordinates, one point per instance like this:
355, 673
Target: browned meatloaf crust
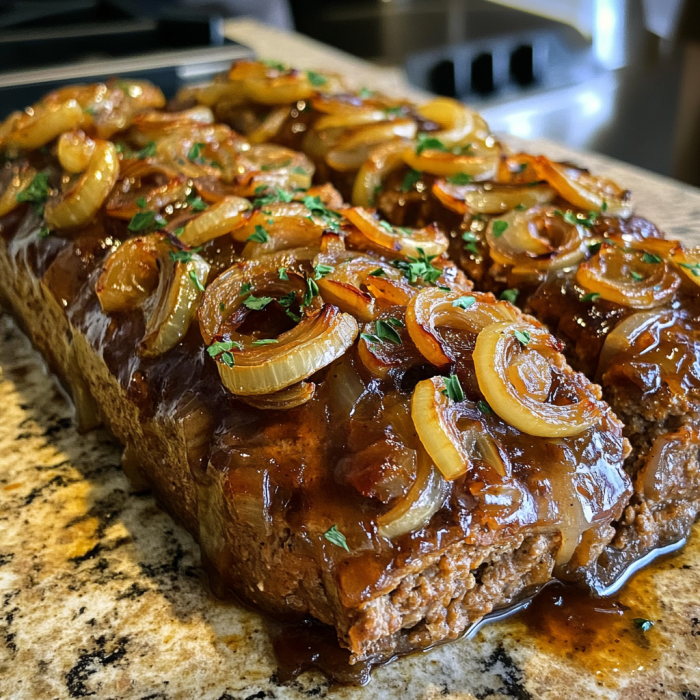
255, 489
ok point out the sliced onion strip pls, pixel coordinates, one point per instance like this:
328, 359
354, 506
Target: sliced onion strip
79, 204
218, 220
497, 347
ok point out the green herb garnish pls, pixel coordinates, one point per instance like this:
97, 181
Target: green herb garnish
643, 624
453, 389
410, 179
336, 537
523, 337
429, 143
259, 236
256, 303
651, 258
464, 302
265, 341
316, 79
322, 270
386, 331
484, 407
460, 179
509, 295
36, 193
499, 227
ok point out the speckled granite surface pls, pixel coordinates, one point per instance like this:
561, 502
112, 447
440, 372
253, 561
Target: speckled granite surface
101, 594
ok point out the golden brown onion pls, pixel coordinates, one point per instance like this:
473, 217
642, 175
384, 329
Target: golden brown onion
218, 220
75, 150
584, 190
537, 239
270, 165
78, 204
249, 367
270, 126
395, 239
21, 178
515, 377
382, 159
417, 507
353, 148
628, 277
125, 205
432, 308
460, 125
44, 124
490, 198
149, 272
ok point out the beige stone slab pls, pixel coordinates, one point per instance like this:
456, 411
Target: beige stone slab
102, 595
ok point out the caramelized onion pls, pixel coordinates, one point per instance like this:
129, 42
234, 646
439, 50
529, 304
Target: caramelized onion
584, 190
272, 166
480, 166
688, 260
623, 277
408, 242
460, 124
75, 151
352, 149
144, 272
535, 240
46, 123
77, 205
283, 400
125, 205
490, 198
417, 507
625, 333
322, 334
217, 220
436, 425
516, 379
21, 178
432, 308
270, 126
381, 160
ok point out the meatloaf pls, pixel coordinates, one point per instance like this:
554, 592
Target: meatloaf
347, 427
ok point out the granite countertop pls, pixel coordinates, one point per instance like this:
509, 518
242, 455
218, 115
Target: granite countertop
102, 595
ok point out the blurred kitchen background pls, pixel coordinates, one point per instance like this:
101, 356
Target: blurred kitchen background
621, 77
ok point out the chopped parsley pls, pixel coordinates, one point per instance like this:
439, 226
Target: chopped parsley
282, 274
484, 407
195, 280
464, 302
636, 276
195, 152
604, 208
365, 93
410, 179
453, 389
183, 256
196, 203
420, 267
377, 273
265, 341
36, 193
144, 220
275, 65
594, 246
460, 179
499, 227
270, 195
316, 79
259, 236
286, 301
429, 143
591, 296
222, 350
256, 303
245, 288
520, 207
322, 270
310, 293
330, 218
643, 624
141, 202
509, 295
394, 111
44, 232
470, 245
523, 337
147, 151
693, 267
386, 226
580, 220
651, 258
336, 537
385, 331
